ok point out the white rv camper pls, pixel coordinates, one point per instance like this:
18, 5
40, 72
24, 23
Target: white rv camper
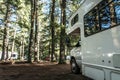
97, 25
13, 55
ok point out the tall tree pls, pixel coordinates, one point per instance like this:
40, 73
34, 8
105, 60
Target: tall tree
52, 29
13, 43
31, 32
5, 35
33, 38
24, 24
36, 54
62, 33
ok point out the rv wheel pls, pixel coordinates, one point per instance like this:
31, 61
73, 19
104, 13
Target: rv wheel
74, 67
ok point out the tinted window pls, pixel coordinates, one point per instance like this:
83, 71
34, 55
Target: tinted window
74, 20
103, 16
91, 22
117, 10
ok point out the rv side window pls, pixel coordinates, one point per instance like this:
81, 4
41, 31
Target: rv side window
117, 10
101, 17
105, 19
91, 22
74, 20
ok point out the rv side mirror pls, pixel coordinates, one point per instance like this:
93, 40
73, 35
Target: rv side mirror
78, 44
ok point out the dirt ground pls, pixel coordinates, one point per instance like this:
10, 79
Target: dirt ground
41, 71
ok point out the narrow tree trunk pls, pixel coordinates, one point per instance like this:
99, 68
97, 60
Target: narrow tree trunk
36, 32
22, 48
5, 35
38, 51
62, 33
31, 33
13, 43
52, 29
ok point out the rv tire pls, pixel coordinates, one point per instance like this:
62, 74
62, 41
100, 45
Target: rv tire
74, 67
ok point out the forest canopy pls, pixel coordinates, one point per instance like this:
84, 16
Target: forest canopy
34, 29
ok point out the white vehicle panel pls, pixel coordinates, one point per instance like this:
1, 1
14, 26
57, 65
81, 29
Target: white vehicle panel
93, 73
101, 51
115, 76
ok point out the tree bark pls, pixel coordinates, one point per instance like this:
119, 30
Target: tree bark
52, 29
62, 33
5, 35
13, 43
36, 54
31, 33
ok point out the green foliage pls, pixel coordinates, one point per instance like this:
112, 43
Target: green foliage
22, 10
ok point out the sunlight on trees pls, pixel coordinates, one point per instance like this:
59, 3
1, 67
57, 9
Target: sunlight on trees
33, 29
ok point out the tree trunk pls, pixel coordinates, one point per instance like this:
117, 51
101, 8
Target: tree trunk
13, 43
36, 31
52, 29
22, 49
38, 46
31, 33
23, 53
5, 35
62, 33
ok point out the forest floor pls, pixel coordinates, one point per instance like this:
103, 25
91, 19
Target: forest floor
41, 71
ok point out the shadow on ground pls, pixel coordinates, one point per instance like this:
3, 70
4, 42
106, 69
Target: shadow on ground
42, 71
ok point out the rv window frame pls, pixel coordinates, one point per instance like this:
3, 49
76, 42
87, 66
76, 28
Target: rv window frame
99, 22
